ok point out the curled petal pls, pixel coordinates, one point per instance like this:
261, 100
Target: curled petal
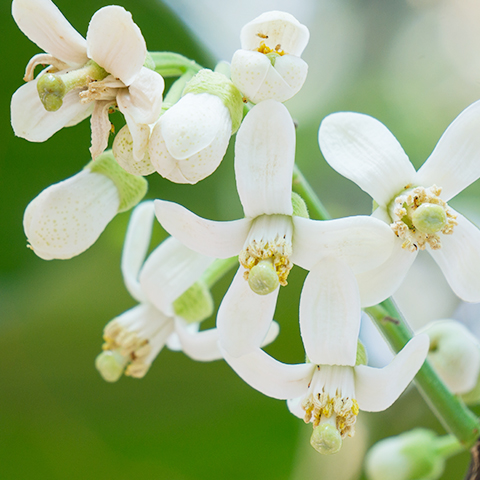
455, 162
271, 377
459, 259
377, 388
330, 314
362, 242
200, 346
43, 23
215, 239
264, 158
42, 59
101, 127
293, 70
31, 121
169, 271
244, 317
116, 43
137, 241
127, 148
362, 149
275, 29
68, 217
142, 100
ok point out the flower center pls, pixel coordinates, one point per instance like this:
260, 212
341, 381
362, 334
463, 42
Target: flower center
132, 341
53, 87
419, 215
331, 403
266, 253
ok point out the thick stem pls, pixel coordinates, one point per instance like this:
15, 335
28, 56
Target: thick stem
169, 64
448, 446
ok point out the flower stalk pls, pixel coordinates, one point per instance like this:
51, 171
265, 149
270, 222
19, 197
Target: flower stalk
169, 64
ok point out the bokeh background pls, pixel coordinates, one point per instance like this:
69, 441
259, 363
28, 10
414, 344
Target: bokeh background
413, 65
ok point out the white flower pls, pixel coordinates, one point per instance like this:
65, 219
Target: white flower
413, 203
270, 239
269, 66
191, 138
86, 76
330, 389
135, 338
68, 217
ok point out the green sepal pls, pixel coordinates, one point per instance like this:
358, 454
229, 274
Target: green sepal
362, 356
214, 83
196, 304
299, 206
131, 188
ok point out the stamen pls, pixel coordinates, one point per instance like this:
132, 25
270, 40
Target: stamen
270, 238
419, 216
265, 49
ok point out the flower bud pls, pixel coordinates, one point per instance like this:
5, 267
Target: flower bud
68, 217
409, 456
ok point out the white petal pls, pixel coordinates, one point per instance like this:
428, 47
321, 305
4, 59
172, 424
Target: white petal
459, 259
455, 162
362, 149
249, 70
116, 43
244, 317
264, 158
169, 271
137, 241
200, 346
192, 124
43, 23
101, 127
330, 314
279, 28
293, 70
215, 239
377, 388
68, 217
142, 100
379, 283
362, 242
123, 148
31, 121
271, 377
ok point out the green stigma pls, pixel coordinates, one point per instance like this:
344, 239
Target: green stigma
429, 218
263, 278
110, 365
326, 439
51, 91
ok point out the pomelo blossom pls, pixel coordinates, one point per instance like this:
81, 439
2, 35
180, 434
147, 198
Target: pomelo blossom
67, 218
330, 389
270, 239
413, 203
268, 66
172, 301
190, 140
85, 76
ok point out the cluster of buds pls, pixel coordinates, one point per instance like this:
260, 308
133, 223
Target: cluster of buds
353, 262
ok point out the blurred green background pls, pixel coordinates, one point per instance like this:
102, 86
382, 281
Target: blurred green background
413, 65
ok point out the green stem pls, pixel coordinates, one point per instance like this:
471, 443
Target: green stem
169, 64
448, 408
303, 188
218, 269
448, 446
175, 91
